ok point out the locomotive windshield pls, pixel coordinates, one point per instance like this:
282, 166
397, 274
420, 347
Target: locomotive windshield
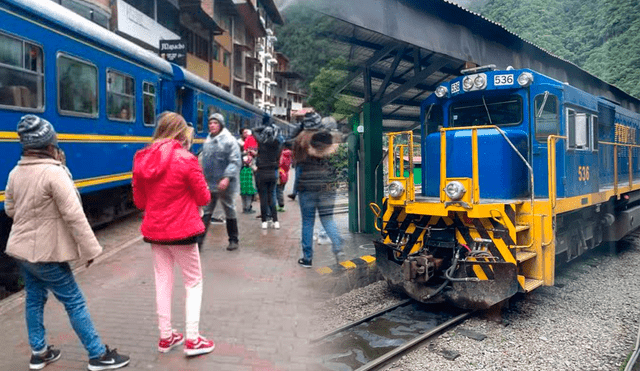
500, 111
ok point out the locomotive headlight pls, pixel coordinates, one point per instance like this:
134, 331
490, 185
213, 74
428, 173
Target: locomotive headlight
396, 189
525, 79
455, 190
480, 82
467, 83
441, 91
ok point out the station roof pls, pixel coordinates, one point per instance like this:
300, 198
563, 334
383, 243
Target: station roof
404, 49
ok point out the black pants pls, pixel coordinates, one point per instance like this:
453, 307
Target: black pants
266, 189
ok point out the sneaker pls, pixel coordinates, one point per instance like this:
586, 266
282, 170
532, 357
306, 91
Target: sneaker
265, 225
217, 221
109, 361
280, 209
276, 225
165, 345
304, 262
40, 360
292, 196
198, 346
232, 246
251, 211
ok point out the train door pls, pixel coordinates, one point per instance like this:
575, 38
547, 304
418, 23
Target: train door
186, 103
581, 161
546, 120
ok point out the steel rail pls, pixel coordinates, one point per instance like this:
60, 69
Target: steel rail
410, 344
361, 320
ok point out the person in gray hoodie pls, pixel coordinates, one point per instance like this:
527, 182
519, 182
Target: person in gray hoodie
221, 163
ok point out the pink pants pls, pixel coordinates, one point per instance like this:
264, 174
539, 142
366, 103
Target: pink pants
188, 258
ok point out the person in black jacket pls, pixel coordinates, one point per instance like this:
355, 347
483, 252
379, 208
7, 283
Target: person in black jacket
268, 161
315, 183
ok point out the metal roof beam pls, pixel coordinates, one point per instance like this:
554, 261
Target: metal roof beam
400, 117
435, 66
376, 57
400, 102
390, 73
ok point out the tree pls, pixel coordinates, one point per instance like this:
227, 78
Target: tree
323, 86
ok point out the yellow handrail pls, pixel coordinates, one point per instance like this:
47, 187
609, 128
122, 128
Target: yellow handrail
410, 191
615, 162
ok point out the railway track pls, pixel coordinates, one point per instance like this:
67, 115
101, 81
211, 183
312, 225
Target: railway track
373, 341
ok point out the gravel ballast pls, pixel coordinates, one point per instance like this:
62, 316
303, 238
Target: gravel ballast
587, 321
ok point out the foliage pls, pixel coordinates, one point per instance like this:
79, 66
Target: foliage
321, 91
340, 163
303, 39
601, 37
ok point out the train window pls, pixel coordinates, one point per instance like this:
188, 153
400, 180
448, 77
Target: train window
578, 129
500, 111
148, 103
120, 96
433, 118
596, 138
77, 87
546, 116
21, 74
200, 122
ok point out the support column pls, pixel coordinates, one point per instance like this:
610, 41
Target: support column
373, 168
353, 142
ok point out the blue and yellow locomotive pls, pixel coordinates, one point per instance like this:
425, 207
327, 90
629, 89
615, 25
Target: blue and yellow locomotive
520, 172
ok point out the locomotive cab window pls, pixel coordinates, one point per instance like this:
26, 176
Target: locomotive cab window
21, 74
120, 97
546, 116
500, 111
433, 118
580, 129
77, 87
148, 103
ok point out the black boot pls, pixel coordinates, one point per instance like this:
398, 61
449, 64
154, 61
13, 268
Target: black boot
206, 219
232, 231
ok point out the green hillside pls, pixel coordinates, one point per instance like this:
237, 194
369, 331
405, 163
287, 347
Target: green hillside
602, 37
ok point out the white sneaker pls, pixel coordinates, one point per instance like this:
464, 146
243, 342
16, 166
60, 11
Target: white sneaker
276, 225
265, 225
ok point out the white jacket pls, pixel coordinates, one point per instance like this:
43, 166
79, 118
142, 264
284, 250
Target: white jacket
49, 224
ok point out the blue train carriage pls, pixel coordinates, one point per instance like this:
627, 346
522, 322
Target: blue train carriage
198, 99
520, 172
100, 91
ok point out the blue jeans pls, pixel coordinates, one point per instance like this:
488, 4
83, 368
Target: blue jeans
57, 277
322, 202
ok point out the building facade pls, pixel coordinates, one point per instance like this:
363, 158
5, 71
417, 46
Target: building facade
228, 42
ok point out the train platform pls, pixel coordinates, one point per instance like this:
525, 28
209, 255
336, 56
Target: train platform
258, 304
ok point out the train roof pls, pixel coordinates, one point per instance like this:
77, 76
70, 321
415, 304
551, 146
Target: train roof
205, 86
67, 19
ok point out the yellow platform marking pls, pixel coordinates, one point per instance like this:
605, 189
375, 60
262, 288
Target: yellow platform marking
348, 264
324, 270
368, 258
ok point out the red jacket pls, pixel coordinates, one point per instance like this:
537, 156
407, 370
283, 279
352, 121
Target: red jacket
285, 164
168, 185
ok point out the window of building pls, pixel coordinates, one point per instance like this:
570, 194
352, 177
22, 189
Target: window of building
77, 87
120, 96
21, 73
149, 103
145, 6
215, 51
225, 58
201, 47
546, 116
168, 16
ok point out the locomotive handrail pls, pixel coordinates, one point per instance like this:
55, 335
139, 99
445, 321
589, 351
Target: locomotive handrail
615, 163
474, 159
410, 191
551, 164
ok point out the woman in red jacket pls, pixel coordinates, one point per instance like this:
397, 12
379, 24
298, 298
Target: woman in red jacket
169, 186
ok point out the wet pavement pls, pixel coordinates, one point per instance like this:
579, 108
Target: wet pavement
258, 304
